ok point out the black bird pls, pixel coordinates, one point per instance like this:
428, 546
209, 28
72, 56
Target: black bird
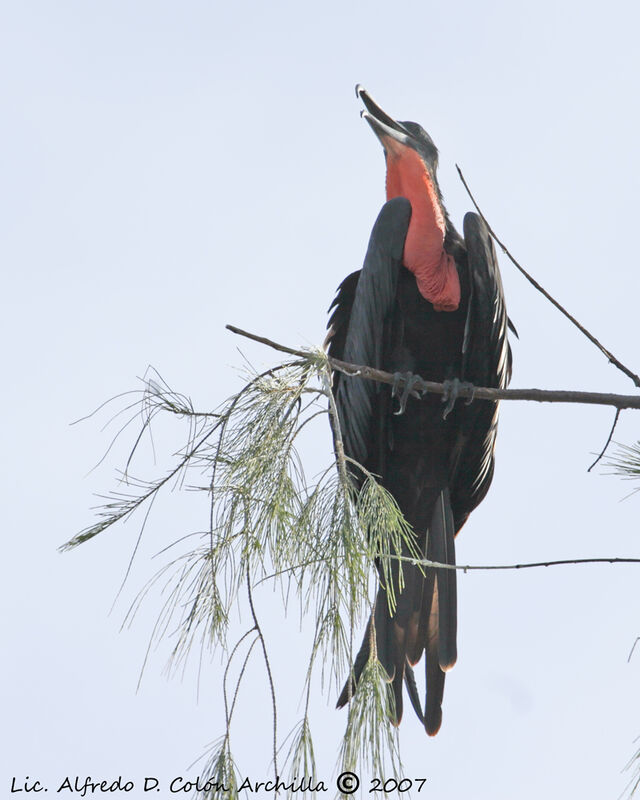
426, 302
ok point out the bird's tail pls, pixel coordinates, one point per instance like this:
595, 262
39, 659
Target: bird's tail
424, 621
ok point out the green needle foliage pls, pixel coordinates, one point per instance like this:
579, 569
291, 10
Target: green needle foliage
267, 522
626, 463
367, 741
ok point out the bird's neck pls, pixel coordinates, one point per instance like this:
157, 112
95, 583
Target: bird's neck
424, 253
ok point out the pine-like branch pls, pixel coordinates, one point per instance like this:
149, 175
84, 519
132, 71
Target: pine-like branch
266, 523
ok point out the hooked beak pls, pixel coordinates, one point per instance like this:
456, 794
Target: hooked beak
387, 129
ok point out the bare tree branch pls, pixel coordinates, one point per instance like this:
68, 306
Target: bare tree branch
612, 359
619, 401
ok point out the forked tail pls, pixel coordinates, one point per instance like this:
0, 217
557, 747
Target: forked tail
424, 621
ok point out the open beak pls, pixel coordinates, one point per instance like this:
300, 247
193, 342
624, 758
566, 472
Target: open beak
387, 129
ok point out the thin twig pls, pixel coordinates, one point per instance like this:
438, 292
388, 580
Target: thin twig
273, 691
341, 461
608, 442
334, 421
135, 550
283, 348
229, 711
612, 359
424, 562
620, 401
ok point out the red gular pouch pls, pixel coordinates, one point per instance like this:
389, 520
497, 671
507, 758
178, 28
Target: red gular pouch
424, 253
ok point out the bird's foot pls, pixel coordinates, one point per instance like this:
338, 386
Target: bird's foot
408, 381
451, 393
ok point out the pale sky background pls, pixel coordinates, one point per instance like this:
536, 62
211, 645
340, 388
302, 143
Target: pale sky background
171, 167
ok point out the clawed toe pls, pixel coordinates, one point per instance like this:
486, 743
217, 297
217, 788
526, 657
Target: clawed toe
410, 388
452, 392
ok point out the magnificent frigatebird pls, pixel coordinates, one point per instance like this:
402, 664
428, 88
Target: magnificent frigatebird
426, 302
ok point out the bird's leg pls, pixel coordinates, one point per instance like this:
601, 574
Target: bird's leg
451, 393
409, 380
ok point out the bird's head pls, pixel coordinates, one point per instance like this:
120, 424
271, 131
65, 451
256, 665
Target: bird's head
409, 151
397, 136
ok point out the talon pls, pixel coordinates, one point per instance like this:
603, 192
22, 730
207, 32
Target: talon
451, 393
409, 380
472, 396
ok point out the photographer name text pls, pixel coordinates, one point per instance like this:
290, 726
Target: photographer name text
347, 783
